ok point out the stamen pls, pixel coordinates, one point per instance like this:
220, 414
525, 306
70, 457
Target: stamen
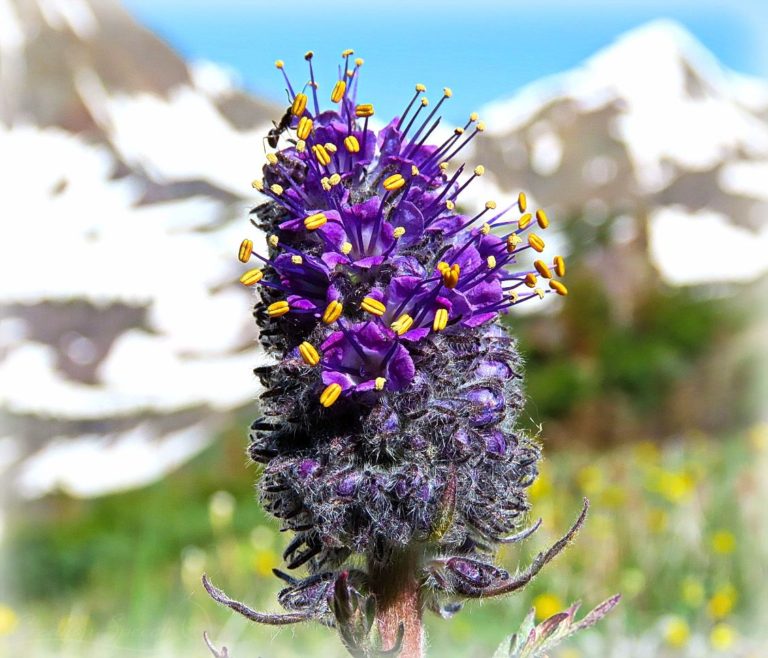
272, 158
541, 268
308, 56
512, 242
441, 319
364, 110
530, 280
402, 324
351, 143
314, 222
304, 128
399, 232
522, 201
322, 155
346, 248
276, 189
537, 244
257, 184
330, 394
280, 64
420, 88
338, 91
296, 259
252, 277
558, 287
373, 306
301, 146
299, 104
276, 309
450, 275
394, 182
539, 292
334, 179
332, 312
245, 251
330, 147
379, 383
524, 221
542, 219
491, 262
559, 265
273, 241
309, 354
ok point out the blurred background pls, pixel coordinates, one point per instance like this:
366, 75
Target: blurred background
129, 134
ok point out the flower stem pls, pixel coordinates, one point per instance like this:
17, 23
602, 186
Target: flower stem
398, 600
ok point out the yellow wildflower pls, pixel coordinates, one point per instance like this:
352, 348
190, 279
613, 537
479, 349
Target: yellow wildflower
676, 632
723, 542
547, 605
722, 637
9, 620
692, 592
722, 602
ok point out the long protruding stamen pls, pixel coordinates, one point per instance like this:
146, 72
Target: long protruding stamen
312, 82
280, 64
480, 127
447, 93
420, 88
422, 104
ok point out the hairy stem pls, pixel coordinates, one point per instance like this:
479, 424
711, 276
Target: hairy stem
398, 600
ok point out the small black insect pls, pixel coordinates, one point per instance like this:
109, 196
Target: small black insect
279, 128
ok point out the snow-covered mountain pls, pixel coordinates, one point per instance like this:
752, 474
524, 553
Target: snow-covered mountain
652, 128
125, 340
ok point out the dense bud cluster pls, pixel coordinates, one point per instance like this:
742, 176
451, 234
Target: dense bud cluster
389, 413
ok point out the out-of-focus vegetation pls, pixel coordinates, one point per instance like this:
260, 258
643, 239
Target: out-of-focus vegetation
680, 529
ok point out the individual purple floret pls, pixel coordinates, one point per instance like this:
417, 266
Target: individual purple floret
388, 432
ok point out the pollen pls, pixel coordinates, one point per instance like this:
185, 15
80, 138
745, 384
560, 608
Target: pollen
537, 244
490, 205
346, 248
373, 306
474, 117
330, 394
485, 229
323, 157
399, 232
458, 131
394, 182
309, 55
542, 219
450, 205
273, 241
326, 183
479, 170
245, 251
304, 128
314, 222
348, 52
257, 184
543, 269
420, 87
277, 189
379, 383
299, 105
251, 277
334, 179
301, 146
364, 110
443, 166
309, 354
512, 242
441, 319
279, 63
271, 158
558, 287
530, 280
296, 259
338, 91
331, 148
414, 170
522, 201
451, 275
359, 61
332, 312
525, 221
276, 309
539, 292
402, 324
559, 265
447, 92
491, 262
351, 144
424, 101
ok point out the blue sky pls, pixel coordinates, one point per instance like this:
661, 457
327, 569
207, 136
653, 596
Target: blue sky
483, 49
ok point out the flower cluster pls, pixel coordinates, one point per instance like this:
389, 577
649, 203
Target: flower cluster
389, 414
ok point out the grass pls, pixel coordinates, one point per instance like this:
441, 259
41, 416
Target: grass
680, 529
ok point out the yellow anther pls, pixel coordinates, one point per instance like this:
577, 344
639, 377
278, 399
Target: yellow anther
458, 131
479, 170
251, 277
373, 306
351, 144
512, 242
394, 182
338, 91
359, 61
424, 101
309, 55
524, 221
491, 260
420, 87
447, 92
402, 324
473, 117
485, 229
399, 232
443, 166
450, 205
301, 146
350, 73
348, 52
451, 275
513, 295
276, 309
331, 148
530, 280
346, 247
480, 126
279, 63
558, 287
542, 219
335, 179
299, 104
273, 241
245, 251
309, 354
296, 259
364, 110
332, 312
330, 394
539, 292
277, 189
522, 201
490, 205
304, 128
326, 183
414, 170
543, 269
271, 158
379, 383
323, 157
442, 266
314, 222
537, 244
441, 319
257, 184
559, 265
